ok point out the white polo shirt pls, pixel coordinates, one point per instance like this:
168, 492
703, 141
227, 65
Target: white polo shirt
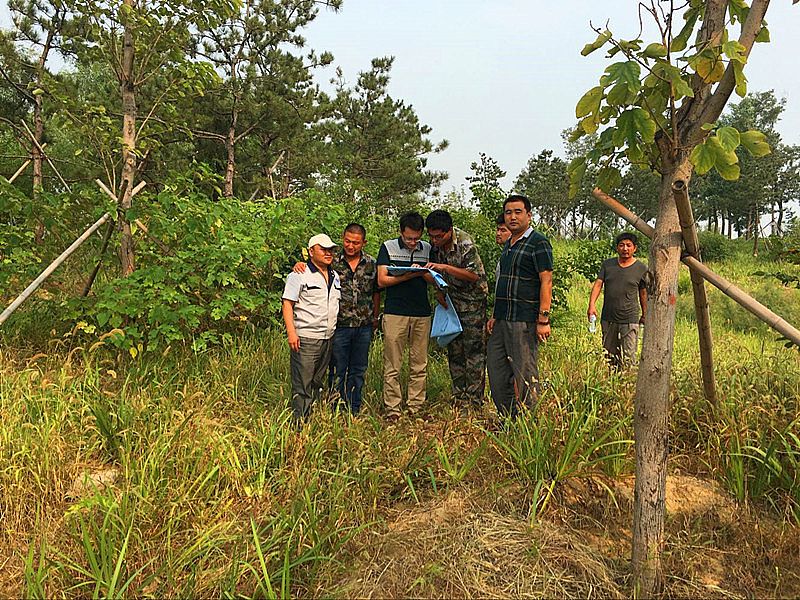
316, 305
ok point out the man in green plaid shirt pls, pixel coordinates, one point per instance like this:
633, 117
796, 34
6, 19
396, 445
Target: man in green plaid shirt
521, 317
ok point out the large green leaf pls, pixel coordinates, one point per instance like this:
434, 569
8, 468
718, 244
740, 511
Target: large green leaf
729, 172
608, 178
680, 86
618, 95
679, 41
597, 44
703, 158
735, 51
655, 51
589, 102
755, 142
728, 138
741, 80
632, 124
710, 154
627, 72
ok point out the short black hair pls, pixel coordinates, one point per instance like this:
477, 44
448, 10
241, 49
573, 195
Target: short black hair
440, 220
356, 228
413, 221
515, 197
501, 219
626, 235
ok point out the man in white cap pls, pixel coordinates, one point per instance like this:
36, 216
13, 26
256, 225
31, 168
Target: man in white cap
310, 310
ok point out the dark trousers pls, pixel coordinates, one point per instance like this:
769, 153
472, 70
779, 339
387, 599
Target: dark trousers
309, 366
511, 356
349, 363
466, 357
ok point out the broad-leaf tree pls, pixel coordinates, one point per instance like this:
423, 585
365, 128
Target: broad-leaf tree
658, 103
484, 184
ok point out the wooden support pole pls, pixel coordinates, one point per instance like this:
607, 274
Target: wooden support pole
93, 275
725, 286
47, 158
53, 266
702, 314
24, 166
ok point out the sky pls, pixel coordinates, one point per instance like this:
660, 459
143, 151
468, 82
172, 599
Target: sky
503, 76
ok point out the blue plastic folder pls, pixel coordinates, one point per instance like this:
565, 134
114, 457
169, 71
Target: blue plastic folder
446, 325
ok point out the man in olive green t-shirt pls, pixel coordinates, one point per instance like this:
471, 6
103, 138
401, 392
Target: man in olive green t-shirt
625, 293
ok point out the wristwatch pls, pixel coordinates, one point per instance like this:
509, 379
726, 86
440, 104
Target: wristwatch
544, 314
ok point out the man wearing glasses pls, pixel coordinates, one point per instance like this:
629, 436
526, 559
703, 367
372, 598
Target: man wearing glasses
310, 309
407, 315
455, 256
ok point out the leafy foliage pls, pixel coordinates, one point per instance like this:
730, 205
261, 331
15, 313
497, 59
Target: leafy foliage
207, 268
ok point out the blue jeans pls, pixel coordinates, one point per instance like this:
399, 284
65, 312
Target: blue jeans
349, 363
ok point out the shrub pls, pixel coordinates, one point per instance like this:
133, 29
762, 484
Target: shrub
715, 247
205, 269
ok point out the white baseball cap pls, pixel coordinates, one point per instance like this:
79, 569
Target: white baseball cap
323, 240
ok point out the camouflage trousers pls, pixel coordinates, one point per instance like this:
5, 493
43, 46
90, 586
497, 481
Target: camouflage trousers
466, 356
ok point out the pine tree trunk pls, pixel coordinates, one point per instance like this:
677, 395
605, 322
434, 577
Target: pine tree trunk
230, 169
128, 90
38, 159
652, 403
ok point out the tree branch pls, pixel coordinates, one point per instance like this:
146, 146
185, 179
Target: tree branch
716, 103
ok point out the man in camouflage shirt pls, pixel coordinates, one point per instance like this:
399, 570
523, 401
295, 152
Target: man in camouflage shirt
455, 256
359, 307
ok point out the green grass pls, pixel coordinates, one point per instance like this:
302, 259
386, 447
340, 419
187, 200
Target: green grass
217, 495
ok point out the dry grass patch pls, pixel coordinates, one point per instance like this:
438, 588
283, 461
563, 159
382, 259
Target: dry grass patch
455, 548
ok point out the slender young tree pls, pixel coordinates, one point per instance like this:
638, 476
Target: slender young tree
38, 30
144, 44
659, 103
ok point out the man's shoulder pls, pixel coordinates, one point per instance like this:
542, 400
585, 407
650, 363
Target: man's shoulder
295, 278
537, 237
610, 262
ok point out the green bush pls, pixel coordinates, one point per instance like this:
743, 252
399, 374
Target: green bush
206, 268
715, 247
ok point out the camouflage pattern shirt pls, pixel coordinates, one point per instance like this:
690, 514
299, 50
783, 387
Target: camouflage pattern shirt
466, 296
355, 305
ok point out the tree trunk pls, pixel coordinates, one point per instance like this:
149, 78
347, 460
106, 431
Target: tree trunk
38, 132
37, 159
128, 90
230, 149
651, 416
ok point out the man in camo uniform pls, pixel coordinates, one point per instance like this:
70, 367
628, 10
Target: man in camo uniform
455, 256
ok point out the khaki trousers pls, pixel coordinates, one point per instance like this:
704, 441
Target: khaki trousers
398, 332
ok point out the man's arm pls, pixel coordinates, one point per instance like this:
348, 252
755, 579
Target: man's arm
545, 300
643, 302
376, 308
287, 308
453, 271
593, 296
385, 280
